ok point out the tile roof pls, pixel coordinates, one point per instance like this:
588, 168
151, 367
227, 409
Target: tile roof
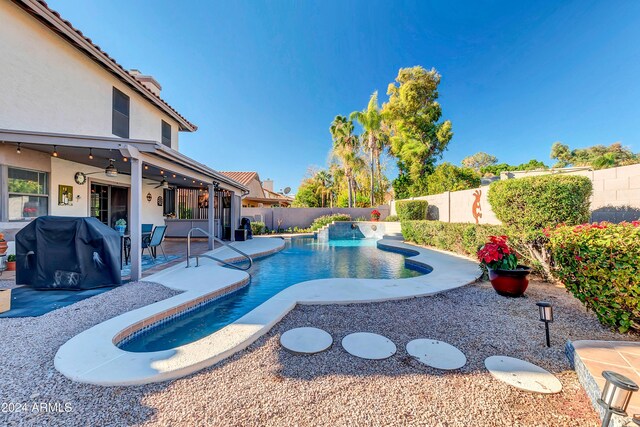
140, 87
273, 195
243, 178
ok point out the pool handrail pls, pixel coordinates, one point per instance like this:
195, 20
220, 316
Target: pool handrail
228, 264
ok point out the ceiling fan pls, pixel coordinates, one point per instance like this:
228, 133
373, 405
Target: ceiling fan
110, 171
164, 184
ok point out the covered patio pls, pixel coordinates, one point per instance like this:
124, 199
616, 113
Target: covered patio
143, 182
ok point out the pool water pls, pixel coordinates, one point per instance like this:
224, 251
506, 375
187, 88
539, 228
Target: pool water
303, 258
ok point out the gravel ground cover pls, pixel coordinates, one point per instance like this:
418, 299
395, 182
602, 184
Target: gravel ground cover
265, 385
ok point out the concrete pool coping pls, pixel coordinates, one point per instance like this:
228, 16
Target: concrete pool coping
93, 357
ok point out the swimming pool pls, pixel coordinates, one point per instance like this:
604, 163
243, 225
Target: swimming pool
303, 258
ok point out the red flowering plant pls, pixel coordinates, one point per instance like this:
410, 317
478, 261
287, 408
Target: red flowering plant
599, 263
497, 255
375, 215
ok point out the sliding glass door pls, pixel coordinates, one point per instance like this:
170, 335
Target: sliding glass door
109, 203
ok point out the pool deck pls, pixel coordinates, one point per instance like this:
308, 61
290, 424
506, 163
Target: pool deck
92, 356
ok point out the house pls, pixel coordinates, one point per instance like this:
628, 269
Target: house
261, 194
82, 136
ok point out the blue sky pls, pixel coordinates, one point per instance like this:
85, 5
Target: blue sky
263, 80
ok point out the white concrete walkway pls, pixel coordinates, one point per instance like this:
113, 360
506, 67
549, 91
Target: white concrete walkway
92, 357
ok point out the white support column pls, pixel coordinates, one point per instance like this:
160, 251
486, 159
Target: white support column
135, 219
211, 215
233, 219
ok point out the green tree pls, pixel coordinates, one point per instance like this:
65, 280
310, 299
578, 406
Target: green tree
324, 182
479, 161
346, 146
494, 170
371, 121
597, 156
307, 194
417, 136
448, 177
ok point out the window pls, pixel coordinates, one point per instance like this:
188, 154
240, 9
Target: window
120, 115
166, 134
28, 194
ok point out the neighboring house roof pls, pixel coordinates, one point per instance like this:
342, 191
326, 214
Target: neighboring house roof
243, 178
267, 196
273, 195
52, 19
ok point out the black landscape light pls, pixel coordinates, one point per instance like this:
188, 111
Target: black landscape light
616, 395
546, 316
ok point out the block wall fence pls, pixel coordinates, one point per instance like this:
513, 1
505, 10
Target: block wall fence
303, 217
616, 198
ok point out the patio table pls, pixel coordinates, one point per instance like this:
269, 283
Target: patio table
125, 245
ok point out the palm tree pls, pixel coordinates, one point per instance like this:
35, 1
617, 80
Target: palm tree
371, 121
345, 148
323, 178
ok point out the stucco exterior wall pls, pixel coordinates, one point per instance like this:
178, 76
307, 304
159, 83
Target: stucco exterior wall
50, 86
62, 173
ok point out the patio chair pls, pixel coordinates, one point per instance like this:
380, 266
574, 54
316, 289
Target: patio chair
152, 242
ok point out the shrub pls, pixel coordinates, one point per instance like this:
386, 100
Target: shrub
409, 210
532, 203
527, 205
461, 238
258, 228
600, 265
391, 218
328, 219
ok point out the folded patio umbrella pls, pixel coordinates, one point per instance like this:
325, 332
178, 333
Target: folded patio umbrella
67, 253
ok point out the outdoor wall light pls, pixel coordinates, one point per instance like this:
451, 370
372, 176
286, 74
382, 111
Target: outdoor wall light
546, 316
111, 171
18, 150
55, 151
90, 153
149, 197
124, 159
616, 395
146, 167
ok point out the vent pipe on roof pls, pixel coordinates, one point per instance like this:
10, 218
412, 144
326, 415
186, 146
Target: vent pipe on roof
147, 81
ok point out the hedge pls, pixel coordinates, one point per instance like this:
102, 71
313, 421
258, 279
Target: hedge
600, 265
529, 204
321, 221
411, 209
391, 218
464, 239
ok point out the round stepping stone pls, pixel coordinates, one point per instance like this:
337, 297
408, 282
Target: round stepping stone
523, 375
306, 340
368, 346
437, 354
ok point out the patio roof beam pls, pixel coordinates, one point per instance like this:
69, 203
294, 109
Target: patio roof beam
79, 141
108, 143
